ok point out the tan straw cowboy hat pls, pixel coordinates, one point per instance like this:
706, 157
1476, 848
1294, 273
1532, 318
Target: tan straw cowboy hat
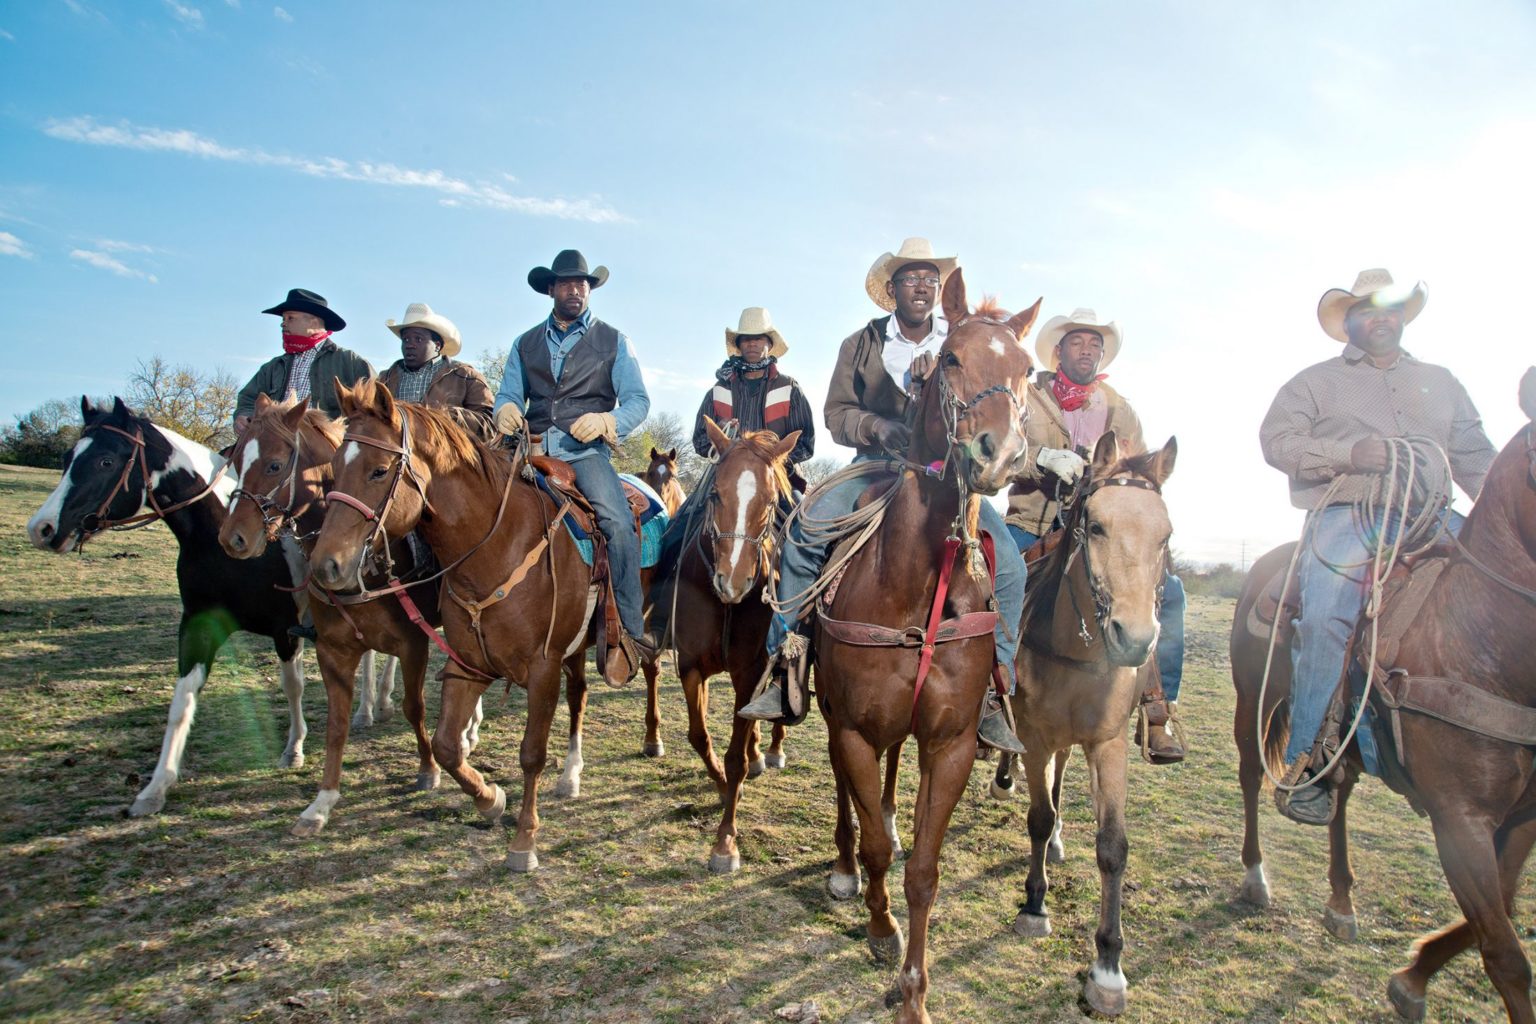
913, 250
419, 314
755, 320
1375, 285
1058, 327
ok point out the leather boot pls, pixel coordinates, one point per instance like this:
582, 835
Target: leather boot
996, 728
1162, 746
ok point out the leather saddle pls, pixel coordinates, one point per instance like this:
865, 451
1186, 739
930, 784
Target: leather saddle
1277, 607
559, 479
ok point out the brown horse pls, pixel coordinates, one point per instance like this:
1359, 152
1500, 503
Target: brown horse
721, 621
661, 475
1090, 624
517, 595
1471, 637
970, 422
283, 468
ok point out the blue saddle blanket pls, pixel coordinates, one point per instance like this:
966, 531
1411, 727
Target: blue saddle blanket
653, 523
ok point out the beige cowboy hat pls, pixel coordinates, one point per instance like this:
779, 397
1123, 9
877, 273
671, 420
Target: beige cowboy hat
913, 250
1058, 327
755, 320
1376, 285
419, 314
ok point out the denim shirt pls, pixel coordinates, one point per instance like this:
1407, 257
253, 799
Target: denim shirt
633, 403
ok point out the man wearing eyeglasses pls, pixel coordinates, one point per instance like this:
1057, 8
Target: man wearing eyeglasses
866, 409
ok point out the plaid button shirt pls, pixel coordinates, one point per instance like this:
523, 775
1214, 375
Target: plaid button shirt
1321, 412
414, 384
298, 373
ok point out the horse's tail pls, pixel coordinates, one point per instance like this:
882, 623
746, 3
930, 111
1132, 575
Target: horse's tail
1277, 733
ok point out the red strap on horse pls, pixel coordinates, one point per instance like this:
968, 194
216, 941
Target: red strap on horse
935, 615
414, 614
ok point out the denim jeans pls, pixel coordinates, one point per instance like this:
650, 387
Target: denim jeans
800, 564
1170, 621
1334, 573
600, 485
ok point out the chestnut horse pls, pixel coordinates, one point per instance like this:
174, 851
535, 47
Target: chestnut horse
517, 595
720, 621
970, 422
1471, 637
661, 474
283, 466
1090, 623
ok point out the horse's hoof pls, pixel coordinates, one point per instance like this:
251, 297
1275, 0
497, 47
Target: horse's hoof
888, 950
144, 806
427, 780
568, 789
1001, 792
1032, 926
756, 768
1410, 1007
773, 760
522, 861
724, 863
361, 722
1108, 1001
498, 806
1055, 853
304, 828
1255, 889
291, 759
657, 749
844, 887
385, 712
1341, 926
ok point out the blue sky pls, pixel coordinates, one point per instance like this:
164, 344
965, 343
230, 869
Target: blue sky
1201, 172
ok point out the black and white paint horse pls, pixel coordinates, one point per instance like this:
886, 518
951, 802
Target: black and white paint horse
104, 483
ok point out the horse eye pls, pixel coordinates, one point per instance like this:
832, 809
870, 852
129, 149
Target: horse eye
378, 474
1097, 529
106, 463
951, 360
274, 467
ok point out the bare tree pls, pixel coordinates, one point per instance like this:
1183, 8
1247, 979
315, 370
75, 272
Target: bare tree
818, 469
491, 364
198, 405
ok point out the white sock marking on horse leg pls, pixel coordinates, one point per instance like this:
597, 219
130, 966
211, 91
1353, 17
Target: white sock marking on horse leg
1255, 885
890, 830
384, 688
178, 722
1108, 980
325, 802
471, 737
362, 715
292, 673
570, 778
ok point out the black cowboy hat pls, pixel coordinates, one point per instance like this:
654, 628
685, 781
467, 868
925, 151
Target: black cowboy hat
302, 300
569, 263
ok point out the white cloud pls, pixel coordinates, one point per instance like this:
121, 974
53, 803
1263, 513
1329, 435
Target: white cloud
10, 245
188, 15
84, 11
456, 190
105, 262
112, 245
282, 15
7, 36
233, 3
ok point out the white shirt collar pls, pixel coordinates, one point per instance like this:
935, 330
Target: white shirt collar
899, 350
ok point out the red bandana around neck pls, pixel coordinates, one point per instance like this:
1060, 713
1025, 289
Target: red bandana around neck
293, 344
1072, 396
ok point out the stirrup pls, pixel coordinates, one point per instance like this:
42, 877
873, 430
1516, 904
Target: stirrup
1154, 714
1284, 798
996, 727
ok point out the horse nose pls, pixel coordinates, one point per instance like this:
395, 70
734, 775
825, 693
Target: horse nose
1126, 645
41, 533
237, 541
986, 445
329, 572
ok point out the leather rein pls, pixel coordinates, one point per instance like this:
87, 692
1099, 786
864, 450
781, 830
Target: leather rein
96, 522
1081, 546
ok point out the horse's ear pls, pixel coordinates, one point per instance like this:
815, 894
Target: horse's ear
382, 401
672, 455
87, 407
786, 444
120, 408
1162, 462
953, 302
294, 416
1106, 453
345, 397
654, 453
1528, 394
1020, 323
263, 403
716, 436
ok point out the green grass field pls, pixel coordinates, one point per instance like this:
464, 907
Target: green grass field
402, 910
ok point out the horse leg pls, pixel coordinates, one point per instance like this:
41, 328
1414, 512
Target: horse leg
362, 718
1434, 951
654, 747
1002, 779
696, 694
471, 738
725, 857
756, 764
292, 674
543, 695
413, 675
575, 669
1105, 989
338, 667
197, 641
844, 883
888, 797
775, 757
1033, 920
861, 769
1250, 777
384, 689
1339, 913
460, 698
945, 771
1055, 853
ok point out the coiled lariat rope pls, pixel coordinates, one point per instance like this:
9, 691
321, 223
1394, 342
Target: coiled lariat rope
1391, 498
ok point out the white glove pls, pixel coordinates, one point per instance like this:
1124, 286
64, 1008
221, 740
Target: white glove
1066, 465
594, 425
509, 419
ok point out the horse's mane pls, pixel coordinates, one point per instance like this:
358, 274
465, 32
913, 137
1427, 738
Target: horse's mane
988, 310
313, 418
438, 436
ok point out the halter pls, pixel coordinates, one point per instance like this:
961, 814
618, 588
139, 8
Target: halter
1080, 545
275, 523
96, 522
401, 468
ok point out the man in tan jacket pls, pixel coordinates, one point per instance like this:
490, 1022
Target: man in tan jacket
1070, 408
426, 371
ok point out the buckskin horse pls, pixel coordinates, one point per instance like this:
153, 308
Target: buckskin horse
1090, 623
518, 600
880, 678
720, 619
283, 465
124, 462
1458, 695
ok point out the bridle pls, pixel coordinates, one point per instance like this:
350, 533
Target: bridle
758, 541
401, 468
1078, 506
97, 522
275, 520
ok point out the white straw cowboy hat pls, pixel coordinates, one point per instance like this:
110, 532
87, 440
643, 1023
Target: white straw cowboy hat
1375, 285
913, 250
419, 314
1058, 327
755, 320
